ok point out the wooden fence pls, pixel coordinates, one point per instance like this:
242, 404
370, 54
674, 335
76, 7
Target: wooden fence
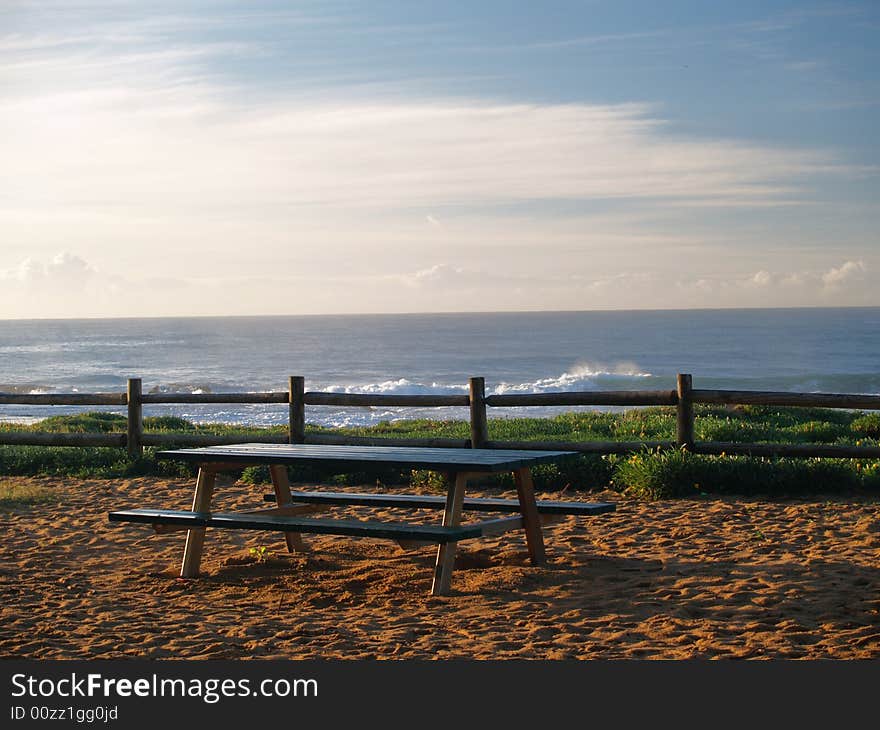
297, 398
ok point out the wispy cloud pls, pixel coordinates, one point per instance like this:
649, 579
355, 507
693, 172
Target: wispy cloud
132, 143
805, 65
848, 273
65, 268
154, 128
160, 146
590, 40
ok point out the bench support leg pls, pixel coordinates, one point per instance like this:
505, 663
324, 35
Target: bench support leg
525, 489
282, 497
446, 552
195, 538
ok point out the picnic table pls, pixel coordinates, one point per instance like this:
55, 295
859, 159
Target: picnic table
288, 514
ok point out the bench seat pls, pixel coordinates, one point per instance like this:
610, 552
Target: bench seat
355, 528
414, 501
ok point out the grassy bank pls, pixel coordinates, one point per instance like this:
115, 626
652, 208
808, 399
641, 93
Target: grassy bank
646, 474
13, 496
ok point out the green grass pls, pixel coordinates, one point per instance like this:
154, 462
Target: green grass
648, 474
13, 496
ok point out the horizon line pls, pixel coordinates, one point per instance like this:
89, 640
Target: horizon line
439, 313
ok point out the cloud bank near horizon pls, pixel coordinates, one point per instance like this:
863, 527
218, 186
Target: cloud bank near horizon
69, 286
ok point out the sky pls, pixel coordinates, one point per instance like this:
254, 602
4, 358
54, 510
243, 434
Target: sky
249, 158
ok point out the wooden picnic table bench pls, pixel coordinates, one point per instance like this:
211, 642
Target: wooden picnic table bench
460, 466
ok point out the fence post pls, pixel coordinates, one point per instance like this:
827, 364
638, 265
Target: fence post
297, 428
684, 431
135, 419
479, 427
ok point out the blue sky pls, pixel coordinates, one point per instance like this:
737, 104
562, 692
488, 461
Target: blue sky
391, 156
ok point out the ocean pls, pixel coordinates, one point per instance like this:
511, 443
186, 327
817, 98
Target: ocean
809, 350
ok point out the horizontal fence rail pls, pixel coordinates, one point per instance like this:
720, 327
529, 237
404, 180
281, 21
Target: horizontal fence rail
215, 398
320, 438
828, 451
683, 397
585, 447
770, 398
64, 399
371, 399
206, 439
586, 398
35, 438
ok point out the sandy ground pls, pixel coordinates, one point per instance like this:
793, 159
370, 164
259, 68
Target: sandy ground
708, 577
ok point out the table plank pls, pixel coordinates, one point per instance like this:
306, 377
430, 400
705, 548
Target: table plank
411, 457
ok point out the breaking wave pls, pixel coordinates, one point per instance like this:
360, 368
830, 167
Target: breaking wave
582, 377
401, 386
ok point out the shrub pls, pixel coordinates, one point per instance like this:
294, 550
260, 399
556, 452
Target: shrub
72, 461
433, 480
658, 474
167, 423
676, 473
255, 475
91, 422
867, 425
870, 473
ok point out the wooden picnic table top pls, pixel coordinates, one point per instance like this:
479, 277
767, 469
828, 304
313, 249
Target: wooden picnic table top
411, 457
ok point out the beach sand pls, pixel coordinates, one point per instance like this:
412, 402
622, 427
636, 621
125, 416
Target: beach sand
709, 577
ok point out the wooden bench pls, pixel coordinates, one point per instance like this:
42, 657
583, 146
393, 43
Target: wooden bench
352, 528
427, 501
405, 534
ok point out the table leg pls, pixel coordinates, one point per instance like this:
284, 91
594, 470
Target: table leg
195, 538
282, 497
525, 489
446, 552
